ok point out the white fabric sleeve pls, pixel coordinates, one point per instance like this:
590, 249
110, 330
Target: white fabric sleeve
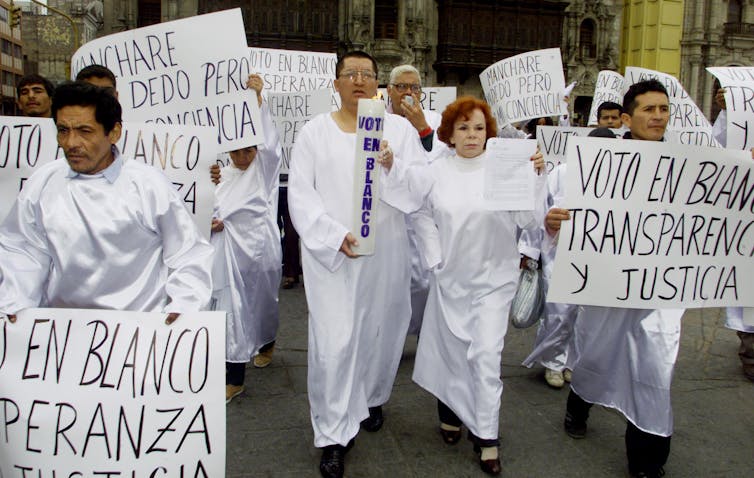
427, 235
24, 259
720, 128
187, 255
321, 234
409, 181
269, 153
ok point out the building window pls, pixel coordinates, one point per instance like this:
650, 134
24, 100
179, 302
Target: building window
150, 13
586, 39
735, 11
3, 14
386, 19
7, 47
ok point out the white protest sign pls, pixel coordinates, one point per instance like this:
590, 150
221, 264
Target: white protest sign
105, 393
184, 154
169, 73
291, 111
609, 87
739, 101
292, 71
685, 116
553, 142
433, 98
525, 86
655, 225
370, 125
25, 144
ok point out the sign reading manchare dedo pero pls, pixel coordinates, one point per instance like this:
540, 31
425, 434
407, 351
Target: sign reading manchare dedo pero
655, 225
525, 86
739, 101
87, 393
169, 73
184, 154
25, 144
366, 174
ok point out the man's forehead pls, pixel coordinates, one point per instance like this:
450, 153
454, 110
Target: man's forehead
610, 112
407, 77
356, 63
652, 98
33, 86
77, 114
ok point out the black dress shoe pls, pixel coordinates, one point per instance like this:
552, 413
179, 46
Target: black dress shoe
332, 464
573, 427
451, 437
375, 420
491, 467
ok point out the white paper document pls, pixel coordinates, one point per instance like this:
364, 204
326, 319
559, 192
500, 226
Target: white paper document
509, 174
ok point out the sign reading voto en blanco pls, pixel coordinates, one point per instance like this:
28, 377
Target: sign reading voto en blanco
105, 393
25, 144
370, 125
655, 225
169, 73
525, 86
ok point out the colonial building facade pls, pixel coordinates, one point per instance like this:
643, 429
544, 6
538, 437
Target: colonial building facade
452, 41
715, 33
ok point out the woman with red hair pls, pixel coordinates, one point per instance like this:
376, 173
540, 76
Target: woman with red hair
473, 255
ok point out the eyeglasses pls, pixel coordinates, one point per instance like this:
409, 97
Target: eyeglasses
365, 75
403, 87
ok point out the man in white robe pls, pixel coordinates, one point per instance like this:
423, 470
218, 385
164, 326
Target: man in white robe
359, 306
404, 89
247, 268
98, 231
625, 357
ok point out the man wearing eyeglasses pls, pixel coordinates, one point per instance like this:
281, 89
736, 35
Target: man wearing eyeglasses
359, 306
404, 90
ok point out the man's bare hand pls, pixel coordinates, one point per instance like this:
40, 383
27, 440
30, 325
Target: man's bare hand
348, 242
172, 317
255, 83
12, 318
214, 173
385, 156
413, 113
720, 98
217, 225
553, 219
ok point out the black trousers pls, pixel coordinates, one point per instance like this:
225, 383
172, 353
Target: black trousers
290, 240
646, 452
235, 373
448, 417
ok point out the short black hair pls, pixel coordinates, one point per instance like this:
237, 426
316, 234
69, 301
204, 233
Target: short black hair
354, 54
35, 79
531, 125
609, 105
602, 132
107, 110
97, 71
646, 86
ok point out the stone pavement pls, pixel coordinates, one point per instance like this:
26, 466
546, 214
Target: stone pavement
269, 432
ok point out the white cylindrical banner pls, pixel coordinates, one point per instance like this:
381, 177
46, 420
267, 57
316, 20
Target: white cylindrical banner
366, 192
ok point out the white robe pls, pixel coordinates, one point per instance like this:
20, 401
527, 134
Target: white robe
553, 346
121, 239
475, 267
358, 308
247, 267
419, 274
